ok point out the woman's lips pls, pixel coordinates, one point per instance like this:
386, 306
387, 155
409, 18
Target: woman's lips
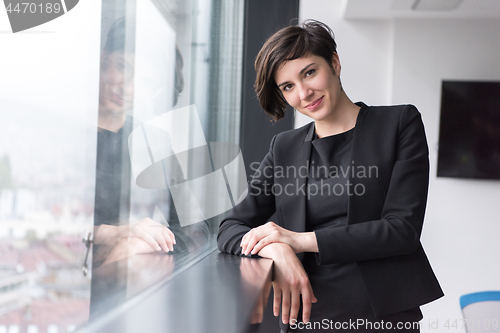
116, 98
314, 104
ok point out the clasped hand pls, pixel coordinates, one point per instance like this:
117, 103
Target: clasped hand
254, 240
290, 279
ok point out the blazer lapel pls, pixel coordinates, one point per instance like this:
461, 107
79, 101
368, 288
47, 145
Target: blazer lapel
302, 162
296, 157
357, 157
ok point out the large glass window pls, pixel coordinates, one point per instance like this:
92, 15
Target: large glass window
141, 165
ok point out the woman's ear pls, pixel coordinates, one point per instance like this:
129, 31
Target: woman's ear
336, 63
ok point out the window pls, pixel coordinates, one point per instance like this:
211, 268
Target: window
136, 138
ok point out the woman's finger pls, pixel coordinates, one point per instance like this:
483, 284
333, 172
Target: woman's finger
276, 300
160, 238
306, 307
313, 298
251, 241
244, 240
169, 237
257, 236
295, 306
307, 299
171, 234
252, 237
260, 244
285, 306
139, 233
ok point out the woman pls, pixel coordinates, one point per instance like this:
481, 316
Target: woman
349, 191
116, 97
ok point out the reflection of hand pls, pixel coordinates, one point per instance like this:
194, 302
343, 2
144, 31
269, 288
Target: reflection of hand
155, 234
254, 273
257, 238
128, 247
258, 311
290, 282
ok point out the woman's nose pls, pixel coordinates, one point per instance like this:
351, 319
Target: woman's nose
304, 91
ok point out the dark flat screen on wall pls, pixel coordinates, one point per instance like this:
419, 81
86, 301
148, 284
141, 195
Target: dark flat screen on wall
469, 132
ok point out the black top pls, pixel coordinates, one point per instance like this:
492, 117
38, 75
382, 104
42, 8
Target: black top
327, 183
343, 293
112, 176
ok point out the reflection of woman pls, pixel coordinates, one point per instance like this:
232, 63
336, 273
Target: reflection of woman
346, 238
116, 98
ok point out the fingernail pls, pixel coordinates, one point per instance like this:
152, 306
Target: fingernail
275, 314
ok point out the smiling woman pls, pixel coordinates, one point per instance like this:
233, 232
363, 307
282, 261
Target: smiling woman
311, 85
339, 256
116, 86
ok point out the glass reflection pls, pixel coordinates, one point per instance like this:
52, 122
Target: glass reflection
119, 236
119, 233
160, 186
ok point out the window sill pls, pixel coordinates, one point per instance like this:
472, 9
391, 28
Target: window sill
218, 294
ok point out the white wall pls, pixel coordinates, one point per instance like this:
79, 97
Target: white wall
404, 61
463, 216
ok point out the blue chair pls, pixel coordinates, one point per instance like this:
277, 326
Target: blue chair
481, 311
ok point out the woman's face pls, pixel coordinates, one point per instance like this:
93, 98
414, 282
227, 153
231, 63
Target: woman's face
116, 91
310, 85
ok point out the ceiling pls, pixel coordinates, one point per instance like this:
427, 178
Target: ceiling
389, 9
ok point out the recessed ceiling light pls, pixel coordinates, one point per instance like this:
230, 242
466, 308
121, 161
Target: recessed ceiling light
434, 5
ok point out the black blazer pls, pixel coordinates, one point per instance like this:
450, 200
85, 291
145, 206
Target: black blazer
385, 219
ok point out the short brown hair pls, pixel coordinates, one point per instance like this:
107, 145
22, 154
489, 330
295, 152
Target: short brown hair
310, 38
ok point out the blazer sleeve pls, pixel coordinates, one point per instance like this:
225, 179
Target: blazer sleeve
398, 230
257, 207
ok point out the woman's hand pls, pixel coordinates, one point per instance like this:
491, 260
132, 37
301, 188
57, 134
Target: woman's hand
128, 247
289, 283
257, 238
153, 233
156, 235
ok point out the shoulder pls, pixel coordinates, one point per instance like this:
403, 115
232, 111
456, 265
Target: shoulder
397, 111
293, 136
297, 132
387, 115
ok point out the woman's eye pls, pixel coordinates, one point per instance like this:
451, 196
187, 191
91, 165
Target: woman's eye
310, 72
287, 87
120, 66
